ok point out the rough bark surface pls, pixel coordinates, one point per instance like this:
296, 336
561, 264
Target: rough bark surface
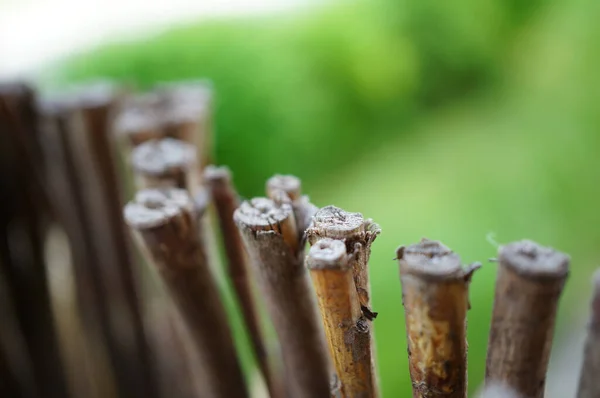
347, 329
528, 287
271, 238
166, 224
226, 200
435, 298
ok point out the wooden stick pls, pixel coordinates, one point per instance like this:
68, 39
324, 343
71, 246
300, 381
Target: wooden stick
165, 223
165, 163
187, 115
498, 391
226, 200
435, 297
23, 215
529, 283
291, 186
588, 382
347, 329
138, 120
358, 234
84, 123
271, 239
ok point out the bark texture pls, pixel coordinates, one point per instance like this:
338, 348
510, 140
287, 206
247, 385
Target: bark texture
589, 387
166, 224
347, 329
226, 200
528, 287
271, 238
435, 298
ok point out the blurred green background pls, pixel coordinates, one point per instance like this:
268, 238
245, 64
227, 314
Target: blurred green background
450, 120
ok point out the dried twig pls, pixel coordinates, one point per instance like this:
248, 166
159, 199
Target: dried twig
529, 283
435, 297
588, 382
291, 186
23, 216
165, 163
166, 225
271, 238
226, 200
346, 327
78, 130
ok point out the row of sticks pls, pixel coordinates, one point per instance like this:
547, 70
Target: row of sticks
117, 337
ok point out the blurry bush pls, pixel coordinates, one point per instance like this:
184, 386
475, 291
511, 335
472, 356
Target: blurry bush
300, 93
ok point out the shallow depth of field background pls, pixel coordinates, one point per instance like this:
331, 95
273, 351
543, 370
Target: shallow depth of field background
467, 121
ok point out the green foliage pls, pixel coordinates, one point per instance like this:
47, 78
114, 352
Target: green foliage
442, 119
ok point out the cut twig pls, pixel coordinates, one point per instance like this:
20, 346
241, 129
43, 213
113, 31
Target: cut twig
529, 283
165, 163
271, 238
291, 186
83, 163
23, 215
166, 225
138, 120
588, 382
358, 234
226, 200
346, 327
435, 297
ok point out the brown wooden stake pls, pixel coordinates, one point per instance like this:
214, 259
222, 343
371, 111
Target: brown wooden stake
435, 295
165, 223
358, 233
106, 277
226, 200
588, 381
138, 120
165, 163
187, 115
498, 391
23, 217
271, 239
529, 283
347, 329
292, 187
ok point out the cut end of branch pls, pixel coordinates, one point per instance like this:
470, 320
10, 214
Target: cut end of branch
531, 259
158, 157
262, 214
333, 222
328, 254
432, 259
289, 184
217, 175
155, 207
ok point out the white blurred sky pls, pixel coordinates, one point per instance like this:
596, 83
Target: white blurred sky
34, 32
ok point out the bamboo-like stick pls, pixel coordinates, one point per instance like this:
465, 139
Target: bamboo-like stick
588, 382
271, 238
435, 297
226, 200
84, 124
358, 233
165, 224
23, 215
528, 287
165, 163
138, 120
292, 187
347, 329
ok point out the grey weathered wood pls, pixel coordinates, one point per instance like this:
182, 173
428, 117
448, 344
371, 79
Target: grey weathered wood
165, 222
528, 287
435, 295
271, 238
589, 387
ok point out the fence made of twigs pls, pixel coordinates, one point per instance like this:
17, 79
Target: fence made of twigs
132, 306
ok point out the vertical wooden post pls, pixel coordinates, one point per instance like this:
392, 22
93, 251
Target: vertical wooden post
588, 382
435, 294
529, 284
